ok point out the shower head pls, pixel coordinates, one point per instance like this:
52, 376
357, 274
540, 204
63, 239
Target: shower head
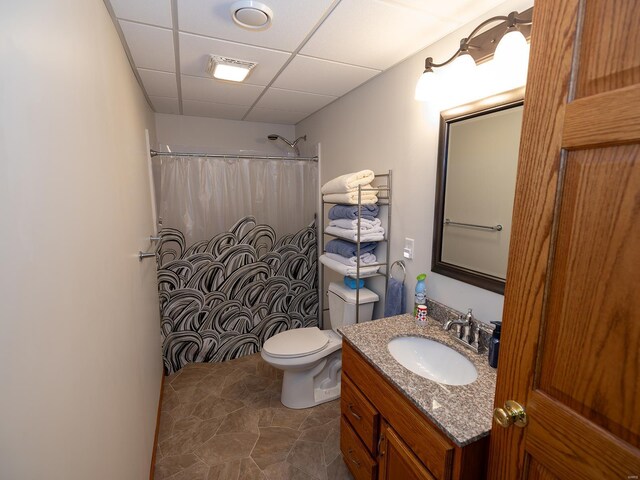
293, 144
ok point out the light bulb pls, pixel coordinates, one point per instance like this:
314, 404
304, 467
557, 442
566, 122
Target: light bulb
427, 85
511, 47
462, 66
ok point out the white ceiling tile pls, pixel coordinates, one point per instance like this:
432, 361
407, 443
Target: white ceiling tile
292, 22
270, 115
165, 105
159, 84
195, 51
151, 47
385, 32
153, 12
219, 91
215, 110
461, 11
313, 75
279, 99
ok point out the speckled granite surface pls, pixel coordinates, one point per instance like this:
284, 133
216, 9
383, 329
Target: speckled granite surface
464, 413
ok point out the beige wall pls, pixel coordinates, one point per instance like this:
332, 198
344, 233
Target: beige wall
215, 135
80, 360
380, 126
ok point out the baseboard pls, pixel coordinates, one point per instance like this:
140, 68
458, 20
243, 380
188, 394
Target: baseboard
155, 438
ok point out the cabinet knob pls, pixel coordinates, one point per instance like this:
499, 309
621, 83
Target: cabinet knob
512, 414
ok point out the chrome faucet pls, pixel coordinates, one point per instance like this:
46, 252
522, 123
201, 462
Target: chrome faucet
469, 330
450, 323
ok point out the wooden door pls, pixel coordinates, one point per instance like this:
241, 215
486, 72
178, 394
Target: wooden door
570, 352
397, 461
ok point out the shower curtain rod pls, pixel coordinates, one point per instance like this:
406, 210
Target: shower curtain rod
224, 155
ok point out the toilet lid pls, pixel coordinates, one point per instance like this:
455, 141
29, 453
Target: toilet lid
296, 342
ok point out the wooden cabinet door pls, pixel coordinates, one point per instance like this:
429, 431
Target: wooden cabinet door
570, 352
397, 461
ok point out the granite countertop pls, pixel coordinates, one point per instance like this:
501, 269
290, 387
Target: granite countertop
464, 413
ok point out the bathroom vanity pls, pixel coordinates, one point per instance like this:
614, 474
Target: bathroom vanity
396, 424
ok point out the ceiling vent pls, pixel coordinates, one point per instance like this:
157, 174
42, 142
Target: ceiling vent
251, 15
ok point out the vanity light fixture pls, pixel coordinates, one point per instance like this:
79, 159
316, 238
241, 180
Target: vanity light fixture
224, 68
503, 41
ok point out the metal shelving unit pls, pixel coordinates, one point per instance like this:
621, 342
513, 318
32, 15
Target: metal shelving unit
384, 200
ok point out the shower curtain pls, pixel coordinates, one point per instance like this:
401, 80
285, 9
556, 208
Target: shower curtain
237, 262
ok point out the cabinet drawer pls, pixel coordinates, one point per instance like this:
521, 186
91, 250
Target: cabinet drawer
431, 447
362, 416
355, 454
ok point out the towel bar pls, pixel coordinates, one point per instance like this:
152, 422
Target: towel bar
485, 227
401, 264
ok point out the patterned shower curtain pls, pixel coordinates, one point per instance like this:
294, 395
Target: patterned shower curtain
224, 292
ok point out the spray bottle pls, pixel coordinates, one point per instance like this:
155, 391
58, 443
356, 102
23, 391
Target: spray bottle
421, 292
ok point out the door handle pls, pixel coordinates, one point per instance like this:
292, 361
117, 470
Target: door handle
512, 414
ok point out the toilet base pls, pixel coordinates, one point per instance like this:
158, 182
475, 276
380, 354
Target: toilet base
305, 389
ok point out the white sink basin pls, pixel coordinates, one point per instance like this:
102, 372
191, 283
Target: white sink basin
432, 360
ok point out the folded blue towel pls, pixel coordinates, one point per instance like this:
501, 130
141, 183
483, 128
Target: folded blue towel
351, 283
351, 211
394, 300
348, 249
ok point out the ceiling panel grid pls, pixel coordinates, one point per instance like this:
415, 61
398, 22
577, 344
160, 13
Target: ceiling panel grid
314, 51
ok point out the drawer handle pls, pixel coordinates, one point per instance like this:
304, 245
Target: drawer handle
380, 440
357, 463
358, 417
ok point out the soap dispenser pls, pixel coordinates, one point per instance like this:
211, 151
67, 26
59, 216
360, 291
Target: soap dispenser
494, 345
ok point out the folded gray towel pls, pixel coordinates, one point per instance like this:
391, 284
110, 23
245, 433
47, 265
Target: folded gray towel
369, 211
348, 249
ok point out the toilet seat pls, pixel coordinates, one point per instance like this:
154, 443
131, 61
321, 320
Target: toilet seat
297, 342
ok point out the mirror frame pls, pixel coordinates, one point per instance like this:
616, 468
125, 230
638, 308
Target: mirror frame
495, 103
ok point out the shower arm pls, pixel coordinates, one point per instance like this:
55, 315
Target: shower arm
293, 145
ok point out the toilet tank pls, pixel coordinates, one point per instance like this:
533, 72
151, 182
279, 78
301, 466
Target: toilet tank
342, 305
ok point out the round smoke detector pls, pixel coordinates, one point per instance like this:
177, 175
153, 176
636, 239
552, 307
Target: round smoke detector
251, 15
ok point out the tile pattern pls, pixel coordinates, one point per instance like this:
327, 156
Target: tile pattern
224, 421
463, 412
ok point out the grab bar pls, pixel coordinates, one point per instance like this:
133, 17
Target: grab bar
485, 227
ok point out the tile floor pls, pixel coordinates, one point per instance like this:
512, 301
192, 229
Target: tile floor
224, 421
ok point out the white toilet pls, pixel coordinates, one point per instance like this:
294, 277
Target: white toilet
311, 358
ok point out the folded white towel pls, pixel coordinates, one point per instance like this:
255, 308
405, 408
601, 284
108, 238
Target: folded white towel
365, 258
345, 270
373, 235
365, 224
348, 182
351, 198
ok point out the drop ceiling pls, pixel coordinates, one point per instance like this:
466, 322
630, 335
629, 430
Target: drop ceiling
314, 52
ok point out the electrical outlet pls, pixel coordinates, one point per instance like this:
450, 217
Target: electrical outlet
408, 248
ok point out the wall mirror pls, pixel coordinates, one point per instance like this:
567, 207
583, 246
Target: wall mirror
477, 163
